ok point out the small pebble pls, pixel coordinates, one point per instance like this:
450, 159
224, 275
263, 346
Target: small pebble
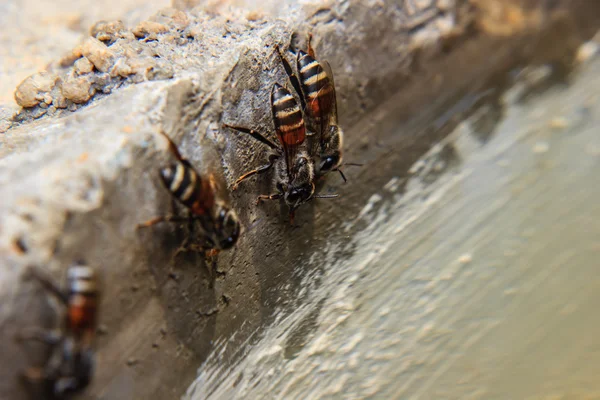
131, 361
254, 16
98, 54
541, 147
31, 91
559, 123
102, 329
83, 66
465, 258
149, 29
78, 89
586, 51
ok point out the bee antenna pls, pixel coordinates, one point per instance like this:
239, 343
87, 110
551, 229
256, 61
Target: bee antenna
326, 196
353, 164
342, 174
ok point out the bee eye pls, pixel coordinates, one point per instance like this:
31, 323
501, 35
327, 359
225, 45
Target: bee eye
231, 229
328, 164
167, 174
294, 196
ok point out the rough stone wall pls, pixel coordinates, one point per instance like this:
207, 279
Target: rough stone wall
78, 164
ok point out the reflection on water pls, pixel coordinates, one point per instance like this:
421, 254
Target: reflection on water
480, 280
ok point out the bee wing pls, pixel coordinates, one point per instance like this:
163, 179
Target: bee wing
291, 144
333, 97
323, 102
172, 147
292, 77
289, 124
205, 199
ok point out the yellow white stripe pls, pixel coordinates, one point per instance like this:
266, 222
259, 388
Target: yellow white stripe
83, 286
308, 66
190, 189
286, 113
283, 99
179, 173
323, 91
316, 78
80, 272
288, 128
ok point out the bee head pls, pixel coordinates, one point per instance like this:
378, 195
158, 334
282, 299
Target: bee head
296, 195
168, 174
227, 228
83, 370
331, 151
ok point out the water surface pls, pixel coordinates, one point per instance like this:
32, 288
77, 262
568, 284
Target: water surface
475, 279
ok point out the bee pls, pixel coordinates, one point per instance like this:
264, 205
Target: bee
70, 366
294, 168
316, 90
220, 224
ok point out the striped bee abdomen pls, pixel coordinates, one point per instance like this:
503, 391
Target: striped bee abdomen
187, 186
287, 116
182, 181
316, 86
82, 298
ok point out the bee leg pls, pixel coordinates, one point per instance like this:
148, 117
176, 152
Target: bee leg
32, 378
342, 174
163, 218
51, 338
211, 265
187, 241
275, 196
66, 384
187, 244
47, 283
189, 247
256, 171
32, 375
212, 257
255, 134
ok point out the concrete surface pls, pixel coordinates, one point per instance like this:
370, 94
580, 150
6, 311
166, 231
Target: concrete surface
37, 33
75, 181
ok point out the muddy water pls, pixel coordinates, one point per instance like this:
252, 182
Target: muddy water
475, 279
